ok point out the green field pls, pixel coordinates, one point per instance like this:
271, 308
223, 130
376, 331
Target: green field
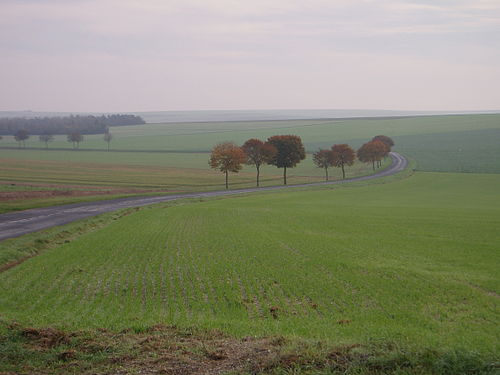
406, 266
465, 143
414, 261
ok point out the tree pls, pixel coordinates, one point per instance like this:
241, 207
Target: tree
290, 152
323, 159
75, 137
342, 155
46, 138
21, 136
385, 140
107, 138
258, 153
227, 157
372, 151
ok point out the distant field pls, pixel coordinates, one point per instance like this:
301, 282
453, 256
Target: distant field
173, 157
413, 262
198, 137
438, 143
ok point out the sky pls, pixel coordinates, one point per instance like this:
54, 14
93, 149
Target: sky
151, 55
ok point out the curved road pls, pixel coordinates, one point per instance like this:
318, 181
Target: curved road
18, 223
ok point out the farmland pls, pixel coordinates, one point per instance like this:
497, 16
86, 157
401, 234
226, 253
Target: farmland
316, 257
401, 265
172, 157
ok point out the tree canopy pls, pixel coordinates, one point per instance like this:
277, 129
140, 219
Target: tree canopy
227, 157
385, 140
290, 152
64, 125
323, 159
342, 155
258, 153
372, 151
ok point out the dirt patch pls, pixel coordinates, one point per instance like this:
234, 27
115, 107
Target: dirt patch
46, 338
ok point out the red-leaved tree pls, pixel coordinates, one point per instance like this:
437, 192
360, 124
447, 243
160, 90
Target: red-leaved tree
258, 153
323, 159
385, 140
342, 155
227, 157
372, 152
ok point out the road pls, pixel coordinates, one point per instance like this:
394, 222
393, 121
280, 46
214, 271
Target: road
22, 222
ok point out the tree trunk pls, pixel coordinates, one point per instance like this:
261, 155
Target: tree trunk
373, 164
284, 176
258, 174
108, 146
343, 171
227, 186
326, 172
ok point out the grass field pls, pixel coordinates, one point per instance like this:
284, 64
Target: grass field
413, 261
466, 143
397, 276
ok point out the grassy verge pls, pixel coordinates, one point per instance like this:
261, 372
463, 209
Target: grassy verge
168, 350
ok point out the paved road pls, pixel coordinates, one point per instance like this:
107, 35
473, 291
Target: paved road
18, 223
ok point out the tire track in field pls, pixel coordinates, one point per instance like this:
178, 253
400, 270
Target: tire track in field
18, 223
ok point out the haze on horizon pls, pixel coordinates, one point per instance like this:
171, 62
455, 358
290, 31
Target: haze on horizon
131, 55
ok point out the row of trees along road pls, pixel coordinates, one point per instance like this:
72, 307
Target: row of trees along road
286, 151
283, 151
75, 137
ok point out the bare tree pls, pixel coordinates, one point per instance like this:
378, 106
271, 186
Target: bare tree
46, 138
75, 137
108, 137
21, 136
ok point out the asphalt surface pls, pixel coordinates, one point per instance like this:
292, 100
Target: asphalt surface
22, 222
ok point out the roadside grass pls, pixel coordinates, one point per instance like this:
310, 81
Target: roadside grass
170, 350
412, 262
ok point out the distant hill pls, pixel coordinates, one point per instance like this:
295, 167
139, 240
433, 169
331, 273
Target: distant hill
244, 115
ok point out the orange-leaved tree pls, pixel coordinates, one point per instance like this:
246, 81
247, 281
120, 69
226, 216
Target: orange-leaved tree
323, 159
227, 157
372, 152
342, 155
258, 153
290, 152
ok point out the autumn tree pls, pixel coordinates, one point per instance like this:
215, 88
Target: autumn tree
75, 137
46, 138
323, 159
342, 155
290, 152
21, 136
385, 140
258, 153
108, 137
372, 152
227, 157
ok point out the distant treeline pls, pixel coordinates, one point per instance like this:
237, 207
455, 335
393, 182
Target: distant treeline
66, 125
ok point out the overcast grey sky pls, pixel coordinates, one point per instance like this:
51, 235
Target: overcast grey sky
139, 55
